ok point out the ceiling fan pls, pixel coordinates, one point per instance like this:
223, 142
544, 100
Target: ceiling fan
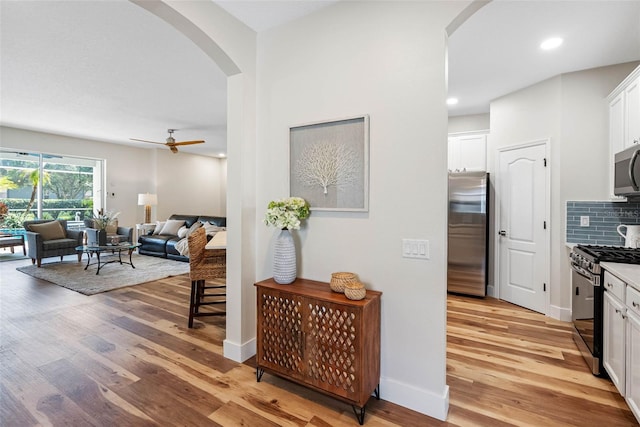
171, 142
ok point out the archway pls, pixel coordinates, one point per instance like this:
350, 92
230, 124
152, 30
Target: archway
231, 46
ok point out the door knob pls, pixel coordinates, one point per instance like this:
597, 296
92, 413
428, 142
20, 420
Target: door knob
502, 233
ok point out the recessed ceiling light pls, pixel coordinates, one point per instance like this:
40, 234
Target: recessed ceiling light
551, 43
452, 101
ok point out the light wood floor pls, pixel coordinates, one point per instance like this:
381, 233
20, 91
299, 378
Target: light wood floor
126, 358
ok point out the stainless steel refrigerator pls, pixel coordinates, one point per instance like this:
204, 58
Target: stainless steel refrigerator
468, 233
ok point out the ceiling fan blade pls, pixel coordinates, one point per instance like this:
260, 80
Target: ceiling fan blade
173, 149
144, 140
184, 143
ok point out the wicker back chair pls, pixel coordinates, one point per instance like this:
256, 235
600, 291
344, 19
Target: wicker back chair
206, 265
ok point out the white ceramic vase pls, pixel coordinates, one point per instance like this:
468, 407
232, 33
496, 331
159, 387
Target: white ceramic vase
284, 258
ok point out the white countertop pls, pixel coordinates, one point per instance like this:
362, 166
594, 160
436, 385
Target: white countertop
629, 273
218, 241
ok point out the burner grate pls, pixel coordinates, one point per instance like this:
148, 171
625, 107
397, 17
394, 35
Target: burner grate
609, 253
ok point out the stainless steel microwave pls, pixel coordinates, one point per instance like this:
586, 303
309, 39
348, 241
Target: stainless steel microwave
626, 172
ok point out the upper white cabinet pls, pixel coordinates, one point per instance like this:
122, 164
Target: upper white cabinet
632, 112
468, 152
624, 117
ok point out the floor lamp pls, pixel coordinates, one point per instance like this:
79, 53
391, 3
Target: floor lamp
147, 200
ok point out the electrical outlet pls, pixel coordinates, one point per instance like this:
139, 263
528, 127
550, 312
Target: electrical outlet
584, 221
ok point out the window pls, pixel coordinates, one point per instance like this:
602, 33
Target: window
47, 186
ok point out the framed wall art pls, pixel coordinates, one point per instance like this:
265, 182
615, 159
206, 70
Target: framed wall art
329, 164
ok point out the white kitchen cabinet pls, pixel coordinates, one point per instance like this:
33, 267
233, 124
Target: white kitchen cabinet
632, 113
633, 350
624, 118
468, 152
621, 334
614, 335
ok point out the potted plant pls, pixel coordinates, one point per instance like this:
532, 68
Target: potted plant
101, 220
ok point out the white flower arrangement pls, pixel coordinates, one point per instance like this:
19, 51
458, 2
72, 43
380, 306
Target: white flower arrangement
287, 213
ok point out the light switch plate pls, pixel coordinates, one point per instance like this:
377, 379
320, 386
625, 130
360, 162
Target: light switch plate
415, 248
584, 221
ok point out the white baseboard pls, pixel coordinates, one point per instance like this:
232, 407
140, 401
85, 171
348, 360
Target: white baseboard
560, 313
409, 396
239, 353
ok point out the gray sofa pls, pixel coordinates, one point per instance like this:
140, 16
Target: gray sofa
165, 245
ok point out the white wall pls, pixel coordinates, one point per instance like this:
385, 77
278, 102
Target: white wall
571, 110
185, 184
189, 184
385, 59
470, 123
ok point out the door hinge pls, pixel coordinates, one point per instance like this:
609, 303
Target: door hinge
544, 287
545, 162
544, 224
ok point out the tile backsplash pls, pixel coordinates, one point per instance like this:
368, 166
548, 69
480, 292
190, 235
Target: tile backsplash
604, 218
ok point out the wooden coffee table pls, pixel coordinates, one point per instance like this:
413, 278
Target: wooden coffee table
91, 250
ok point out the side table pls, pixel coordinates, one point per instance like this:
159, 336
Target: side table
12, 240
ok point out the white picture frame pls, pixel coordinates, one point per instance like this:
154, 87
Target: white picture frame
329, 164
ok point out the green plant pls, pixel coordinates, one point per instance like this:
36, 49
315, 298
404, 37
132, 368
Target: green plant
103, 219
13, 220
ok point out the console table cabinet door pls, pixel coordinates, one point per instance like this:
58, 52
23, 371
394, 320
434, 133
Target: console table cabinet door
333, 343
279, 333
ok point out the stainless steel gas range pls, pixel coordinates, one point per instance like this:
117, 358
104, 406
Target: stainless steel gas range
587, 296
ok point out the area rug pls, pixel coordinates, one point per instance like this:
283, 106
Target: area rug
72, 275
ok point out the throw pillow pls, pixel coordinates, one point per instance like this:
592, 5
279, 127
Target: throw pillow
171, 227
159, 227
182, 232
49, 230
211, 229
113, 227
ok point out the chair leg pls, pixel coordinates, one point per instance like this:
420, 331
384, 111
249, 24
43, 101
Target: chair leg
39, 261
192, 301
79, 256
199, 295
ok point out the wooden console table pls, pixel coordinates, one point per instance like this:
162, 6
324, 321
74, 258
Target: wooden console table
318, 338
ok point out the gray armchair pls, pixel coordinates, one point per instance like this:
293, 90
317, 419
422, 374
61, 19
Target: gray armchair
46, 239
124, 234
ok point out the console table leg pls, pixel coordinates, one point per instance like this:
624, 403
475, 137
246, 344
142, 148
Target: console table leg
359, 413
377, 392
259, 373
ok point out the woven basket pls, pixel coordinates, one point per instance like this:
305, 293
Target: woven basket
339, 281
355, 291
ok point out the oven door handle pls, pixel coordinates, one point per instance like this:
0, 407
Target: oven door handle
586, 274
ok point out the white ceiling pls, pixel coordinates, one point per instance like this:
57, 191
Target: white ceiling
497, 50
110, 71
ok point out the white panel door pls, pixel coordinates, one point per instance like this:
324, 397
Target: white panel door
523, 238
633, 362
